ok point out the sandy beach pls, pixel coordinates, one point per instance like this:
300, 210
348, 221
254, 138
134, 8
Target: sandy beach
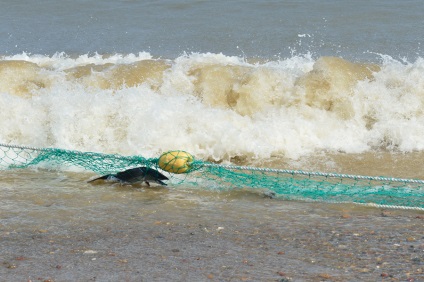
209, 236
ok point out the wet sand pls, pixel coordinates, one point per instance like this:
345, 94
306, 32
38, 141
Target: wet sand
109, 232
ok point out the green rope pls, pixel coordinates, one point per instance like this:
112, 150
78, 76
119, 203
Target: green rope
387, 192
310, 173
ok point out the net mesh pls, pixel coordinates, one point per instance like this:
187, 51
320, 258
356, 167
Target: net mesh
286, 184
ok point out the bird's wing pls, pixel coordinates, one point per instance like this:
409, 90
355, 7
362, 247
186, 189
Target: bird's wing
161, 182
101, 177
156, 174
131, 175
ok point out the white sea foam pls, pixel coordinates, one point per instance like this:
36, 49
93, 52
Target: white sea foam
212, 105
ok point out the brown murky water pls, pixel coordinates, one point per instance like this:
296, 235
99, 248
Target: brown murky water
373, 163
56, 227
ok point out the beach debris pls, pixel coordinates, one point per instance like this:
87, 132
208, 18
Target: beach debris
269, 194
9, 265
411, 239
122, 260
88, 252
324, 276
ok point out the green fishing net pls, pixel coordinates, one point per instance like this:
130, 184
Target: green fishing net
183, 169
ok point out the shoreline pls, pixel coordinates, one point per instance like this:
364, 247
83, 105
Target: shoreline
222, 238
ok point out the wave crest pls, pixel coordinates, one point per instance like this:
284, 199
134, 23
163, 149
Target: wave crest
212, 105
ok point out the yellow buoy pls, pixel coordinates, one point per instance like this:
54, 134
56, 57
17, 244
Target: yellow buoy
176, 161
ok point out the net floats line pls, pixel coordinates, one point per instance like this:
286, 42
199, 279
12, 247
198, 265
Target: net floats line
115, 156
183, 162
370, 205
323, 174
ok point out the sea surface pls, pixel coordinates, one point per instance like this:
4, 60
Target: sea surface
331, 86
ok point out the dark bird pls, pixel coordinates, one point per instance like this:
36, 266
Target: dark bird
133, 175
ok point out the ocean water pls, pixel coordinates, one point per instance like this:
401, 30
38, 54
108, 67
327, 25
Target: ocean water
249, 79
267, 29
333, 86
